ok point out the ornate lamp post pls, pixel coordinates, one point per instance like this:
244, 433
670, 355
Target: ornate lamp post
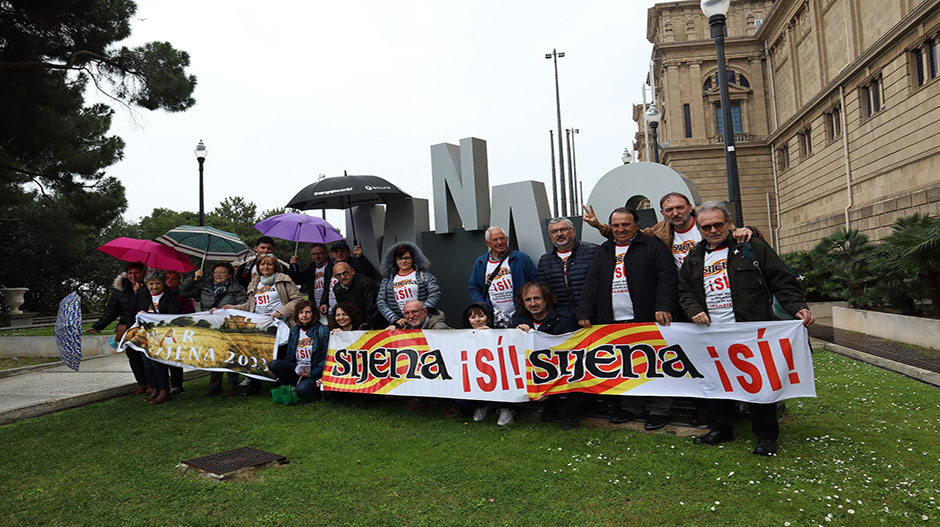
627, 156
653, 116
201, 152
715, 11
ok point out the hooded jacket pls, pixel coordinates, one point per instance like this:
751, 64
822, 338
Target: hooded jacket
429, 293
231, 293
122, 304
286, 289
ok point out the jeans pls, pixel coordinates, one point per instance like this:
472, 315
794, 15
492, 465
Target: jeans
284, 370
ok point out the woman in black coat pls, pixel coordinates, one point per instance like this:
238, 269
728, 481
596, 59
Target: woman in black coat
157, 299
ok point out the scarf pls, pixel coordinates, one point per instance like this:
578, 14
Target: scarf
267, 280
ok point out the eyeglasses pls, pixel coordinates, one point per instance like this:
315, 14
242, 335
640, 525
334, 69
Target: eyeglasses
559, 231
716, 226
406, 257
342, 274
411, 312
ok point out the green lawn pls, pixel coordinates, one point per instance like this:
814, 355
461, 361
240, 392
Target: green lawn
864, 453
48, 331
19, 362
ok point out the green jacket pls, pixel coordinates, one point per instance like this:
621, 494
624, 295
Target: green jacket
747, 293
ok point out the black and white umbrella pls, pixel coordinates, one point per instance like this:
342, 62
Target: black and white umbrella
344, 192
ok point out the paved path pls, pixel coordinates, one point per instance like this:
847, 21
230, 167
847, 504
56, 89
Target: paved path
886, 349
47, 390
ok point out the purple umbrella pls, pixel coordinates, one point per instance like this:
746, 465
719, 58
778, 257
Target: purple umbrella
298, 228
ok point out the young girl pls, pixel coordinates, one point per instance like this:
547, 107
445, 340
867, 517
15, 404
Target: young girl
306, 352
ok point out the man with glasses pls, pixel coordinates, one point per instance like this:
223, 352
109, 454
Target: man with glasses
723, 281
565, 269
416, 317
351, 287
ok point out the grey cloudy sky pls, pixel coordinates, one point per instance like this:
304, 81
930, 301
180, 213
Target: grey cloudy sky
290, 90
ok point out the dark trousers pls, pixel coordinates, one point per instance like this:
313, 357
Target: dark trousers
215, 380
306, 386
158, 374
176, 376
567, 404
763, 418
137, 365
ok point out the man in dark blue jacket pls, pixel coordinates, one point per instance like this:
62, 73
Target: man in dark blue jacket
565, 268
498, 274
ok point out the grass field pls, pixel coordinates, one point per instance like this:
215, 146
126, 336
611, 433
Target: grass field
865, 452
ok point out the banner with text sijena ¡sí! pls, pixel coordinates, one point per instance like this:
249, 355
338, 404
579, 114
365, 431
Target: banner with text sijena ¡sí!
486, 365
759, 362
226, 340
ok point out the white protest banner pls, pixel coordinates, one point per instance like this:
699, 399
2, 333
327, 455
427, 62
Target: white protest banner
486, 365
226, 340
757, 362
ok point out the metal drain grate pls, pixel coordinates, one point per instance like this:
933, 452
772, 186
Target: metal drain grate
226, 464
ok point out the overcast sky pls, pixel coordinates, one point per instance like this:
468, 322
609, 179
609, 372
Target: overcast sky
290, 90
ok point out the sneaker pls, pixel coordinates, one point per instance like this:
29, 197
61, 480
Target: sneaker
245, 381
505, 416
479, 414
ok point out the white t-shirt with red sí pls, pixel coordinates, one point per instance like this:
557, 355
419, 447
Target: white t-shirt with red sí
718, 287
267, 299
564, 255
619, 290
303, 353
318, 281
405, 287
682, 242
500, 291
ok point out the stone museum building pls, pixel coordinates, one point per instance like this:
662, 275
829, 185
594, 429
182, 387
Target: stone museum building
835, 108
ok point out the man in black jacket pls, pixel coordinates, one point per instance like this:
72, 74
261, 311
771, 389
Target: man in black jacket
632, 279
339, 252
535, 311
565, 268
122, 306
351, 287
317, 277
723, 281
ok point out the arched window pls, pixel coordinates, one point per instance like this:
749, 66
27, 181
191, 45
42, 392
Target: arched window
734, 79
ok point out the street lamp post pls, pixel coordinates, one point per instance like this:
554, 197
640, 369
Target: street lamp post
715, 11
551, 146
201, 152
626, 156
554, 55
573, 173
652, 117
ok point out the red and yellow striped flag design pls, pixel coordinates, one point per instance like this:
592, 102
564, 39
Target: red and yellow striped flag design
592, 337
400, 339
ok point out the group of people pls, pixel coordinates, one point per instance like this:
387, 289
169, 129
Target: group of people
693, 266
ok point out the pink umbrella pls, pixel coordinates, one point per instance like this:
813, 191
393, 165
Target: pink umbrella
152, 254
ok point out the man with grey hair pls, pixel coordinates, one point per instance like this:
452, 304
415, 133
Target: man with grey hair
725, 282
497, 273
565, 268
